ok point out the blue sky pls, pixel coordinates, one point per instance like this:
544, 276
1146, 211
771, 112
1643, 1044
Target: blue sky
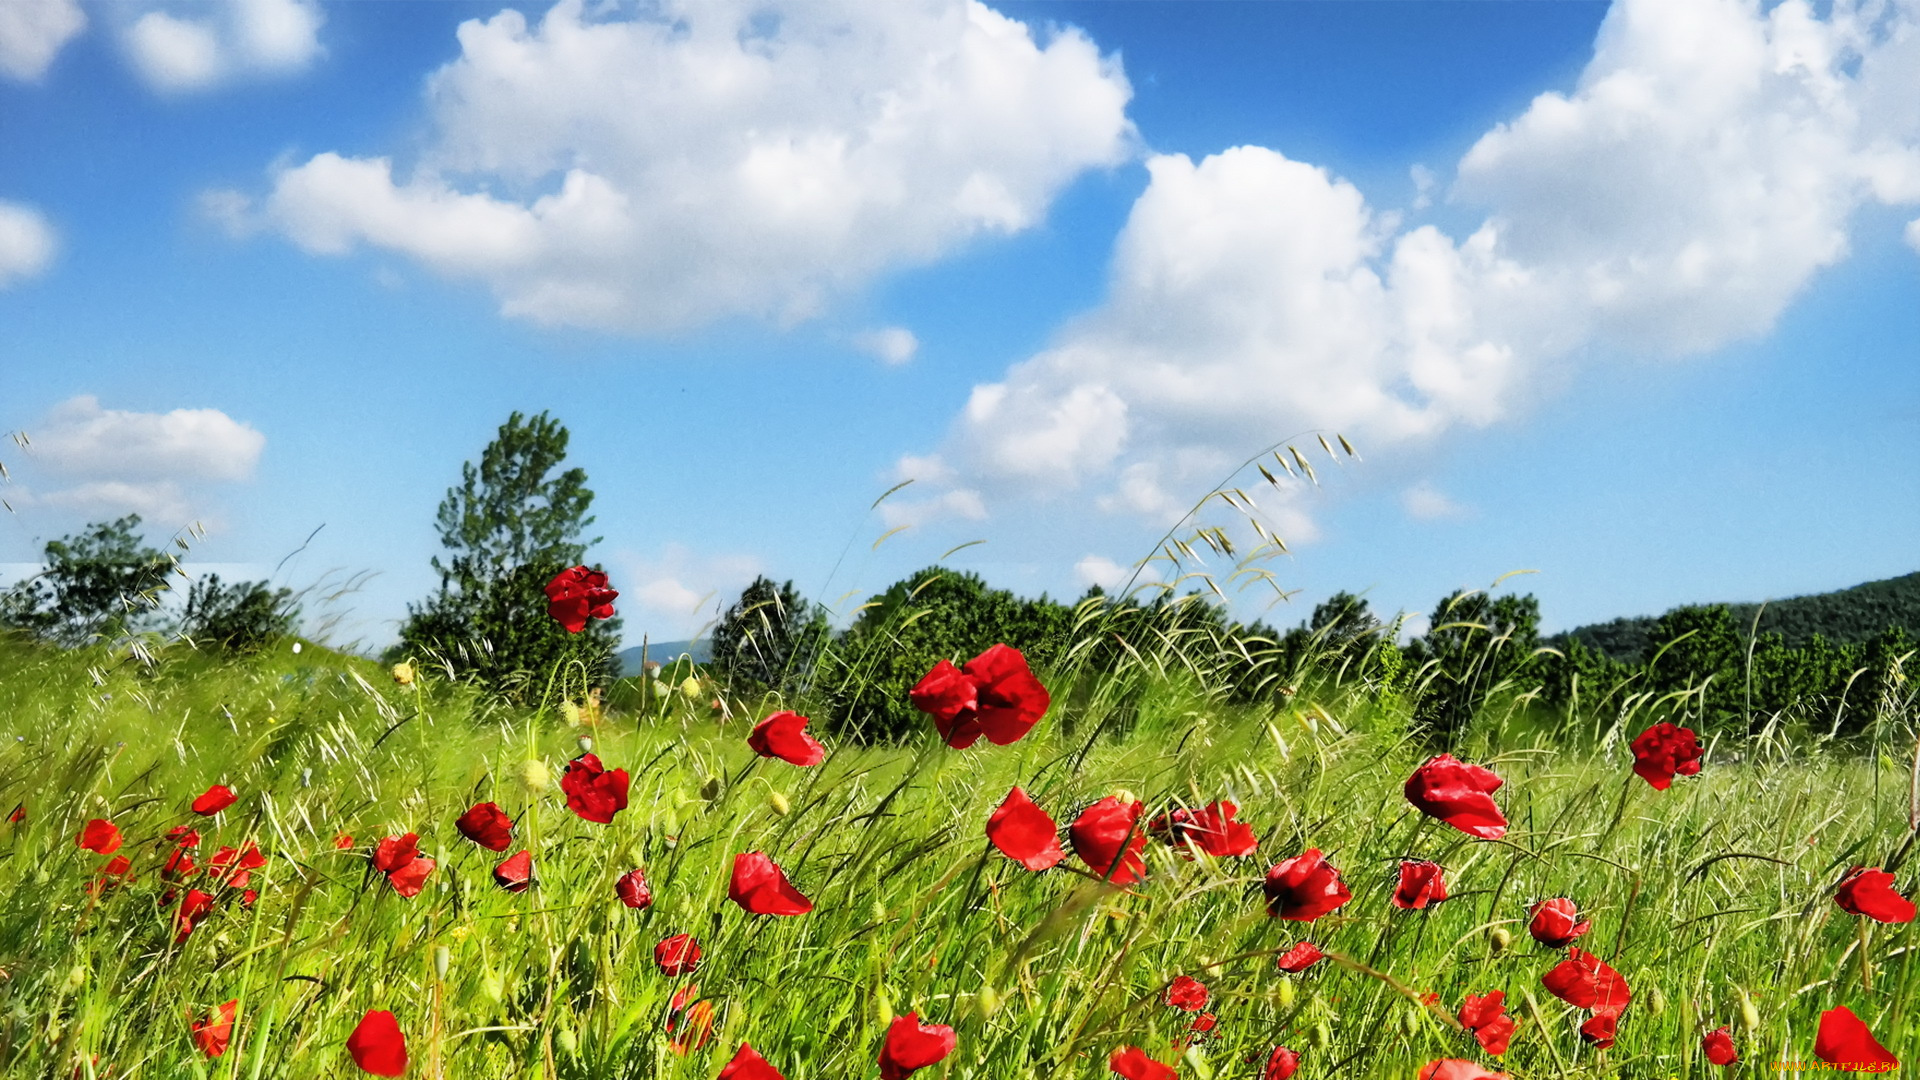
1626, 295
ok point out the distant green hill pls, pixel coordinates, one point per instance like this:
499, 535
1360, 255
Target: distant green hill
663, 652
1845, 617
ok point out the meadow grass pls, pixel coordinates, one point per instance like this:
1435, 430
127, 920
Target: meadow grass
1716, 889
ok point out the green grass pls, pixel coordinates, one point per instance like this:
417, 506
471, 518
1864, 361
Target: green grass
1721, 885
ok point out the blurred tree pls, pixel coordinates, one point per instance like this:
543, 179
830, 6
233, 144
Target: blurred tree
103, 583
511, 524
242, 617
769, 638
1477, 647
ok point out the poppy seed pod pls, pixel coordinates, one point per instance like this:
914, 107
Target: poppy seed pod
690, 687
711, 789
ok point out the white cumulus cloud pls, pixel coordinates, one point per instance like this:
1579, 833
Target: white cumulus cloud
1102, 571
27, 242
678, 592
32, 33
192, 47
703, 160
893, 345
1705, 167
1424, 502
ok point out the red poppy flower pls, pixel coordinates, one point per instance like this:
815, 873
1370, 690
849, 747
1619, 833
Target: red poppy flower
631, 888
762, 888
1459, 794
1718, 1046
194, 908
1210, 828
18, 814
487, 825
1304, 887
377, 1045
594, 792
233, 867
342, 841
100, 836
1601, 1028
515, 872
747, 1064
1843, 1038
578, 594
112, 875
178, 867
784, 735
394, 852
1584, 981
994, 694
1187, 993
1868, 890
1664, 751
217, 798
1554, 923
1203, 1023
690, 1025
911, 1045
1108, 839
181, 836
1134, 1064
1281, 1064
1421, 883
214, 1033
677, 955
1487, 1018
1299, 958
1025, 833
1456, 1069
411, 878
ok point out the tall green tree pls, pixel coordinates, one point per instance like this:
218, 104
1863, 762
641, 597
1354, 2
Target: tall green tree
241, 617
1478, 647
103, 583
770, 637
514, 521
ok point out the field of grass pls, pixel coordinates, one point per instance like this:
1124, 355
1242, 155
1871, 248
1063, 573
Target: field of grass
1716, 892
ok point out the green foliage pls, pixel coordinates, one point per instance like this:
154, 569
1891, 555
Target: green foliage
900, 634
510, 526
770, 638
244, 616
1478, 648
1852, 616
104, 583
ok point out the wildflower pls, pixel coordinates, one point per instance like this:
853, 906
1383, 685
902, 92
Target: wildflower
233, 867
1203, 1023
760, 887
178, 867
217, 798
1584, 981
677, 955
631, 888
1281, 1064
515, 872
181, 836
100, 836
1187, 994
394, 852
994, 694
784, 735
1844, 1038
1107, 838
1456, 1069
578, 594
1134, 1064
487, 825
1553, 923
1487, 1018
1421, 883
18, 814
1210, 828
111, 875
214, 1033
1025, 833
1299, 958
1664, 751
689, 1021
377, 1045
1718, 1046
911, 1045
1459, 794
1600, 1028
194, 908
1304, 887
593, 792
342, 841
408, 880
1868, 890
747, 1064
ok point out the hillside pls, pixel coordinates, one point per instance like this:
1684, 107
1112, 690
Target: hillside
1843, 617
663, 651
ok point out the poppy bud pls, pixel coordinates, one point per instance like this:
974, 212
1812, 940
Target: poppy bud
1284, 992
535, 776
1656, 1001
442, 960
76, 978
1499, 938
883, 1006
494, 987
879, 912
1322, 1035
1749, 1015
989, 1002
1122, 795
690, 687
566, 1041
403, 673
571, 714
660, 690
778, 804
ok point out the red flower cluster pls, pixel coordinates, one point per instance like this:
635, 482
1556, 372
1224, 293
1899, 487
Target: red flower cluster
593, 791
1459, 794
784, 735
578, 594
1584, 981
399, 858
1210, 828
1486, 1017
1664, 751
993, 694
1304, 887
